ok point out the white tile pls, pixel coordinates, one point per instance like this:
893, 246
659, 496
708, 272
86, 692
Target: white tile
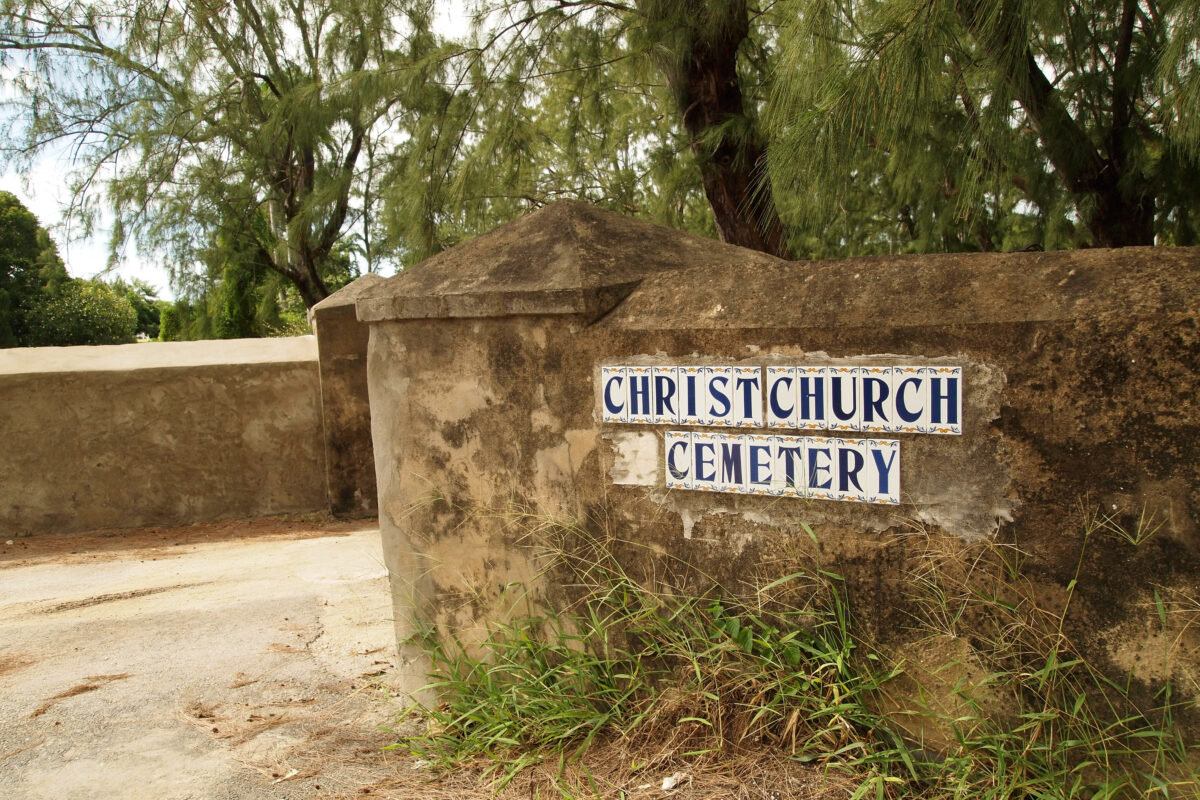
731, 463
748, 397
760, 463
850, 470
666, 395
704, 461
782, 410
812, 398
639, 393
877, 406
719, 408
789, 478
820, 461
693, 397
945, 399
614, 404
883, 465
678, 463
910, 397
844, 406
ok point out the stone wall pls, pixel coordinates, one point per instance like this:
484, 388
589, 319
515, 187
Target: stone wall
159, 434
342, 345
1080, 378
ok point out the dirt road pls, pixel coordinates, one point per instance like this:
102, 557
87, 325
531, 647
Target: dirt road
237, 660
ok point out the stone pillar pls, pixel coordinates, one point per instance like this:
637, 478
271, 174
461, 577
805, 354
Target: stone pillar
342, 349
482, 406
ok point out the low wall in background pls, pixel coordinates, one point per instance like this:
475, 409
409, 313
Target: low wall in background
159, 434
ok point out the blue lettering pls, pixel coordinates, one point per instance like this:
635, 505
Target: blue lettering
731, 462
778, 411
691, 395
676, 473
749, 389
849, 474
884, 470
839, 411
902, 407
949, 398
720, 396
664, 391
814, 467
758, 464
611, 407
790, 455
701, 462
875, 392
812, 398
639, 394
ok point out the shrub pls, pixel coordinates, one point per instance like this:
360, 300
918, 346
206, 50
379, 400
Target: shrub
81, 313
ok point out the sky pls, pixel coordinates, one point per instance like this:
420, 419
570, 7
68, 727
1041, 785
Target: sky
44, 192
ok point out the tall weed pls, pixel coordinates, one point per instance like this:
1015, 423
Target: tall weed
699, 675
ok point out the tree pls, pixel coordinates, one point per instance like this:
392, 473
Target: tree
1067, 115
648, 108
699, 44
30, 269
144, 299
81, 313
206, 118
18, 255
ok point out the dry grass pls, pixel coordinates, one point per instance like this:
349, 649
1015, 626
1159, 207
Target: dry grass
91, 683
620, 770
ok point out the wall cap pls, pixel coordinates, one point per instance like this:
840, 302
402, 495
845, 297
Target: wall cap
947, 289
157, 355
566, 258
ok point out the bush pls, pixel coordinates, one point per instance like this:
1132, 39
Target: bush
81, 313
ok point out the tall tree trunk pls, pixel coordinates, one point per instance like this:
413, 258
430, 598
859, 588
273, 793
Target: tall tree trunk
1116, 213
700, 64
308, 280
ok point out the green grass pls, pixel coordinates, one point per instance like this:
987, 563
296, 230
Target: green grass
781, 671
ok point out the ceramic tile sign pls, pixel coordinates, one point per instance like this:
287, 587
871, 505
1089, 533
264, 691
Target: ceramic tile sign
822, 468
864, 400
754, 410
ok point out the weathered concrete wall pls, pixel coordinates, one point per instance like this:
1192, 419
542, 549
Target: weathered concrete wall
342, 345
1080, 371
159, 434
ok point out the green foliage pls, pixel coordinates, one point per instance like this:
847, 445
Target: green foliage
144, 299
18, 254
31, 271
700, 676
237, 295
956, 124
81, 313
172, 323
247, 120
288, 138
236, 306
713, 675
549, 101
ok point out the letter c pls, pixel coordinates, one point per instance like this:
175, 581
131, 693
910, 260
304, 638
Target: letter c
676, 473
608, 403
